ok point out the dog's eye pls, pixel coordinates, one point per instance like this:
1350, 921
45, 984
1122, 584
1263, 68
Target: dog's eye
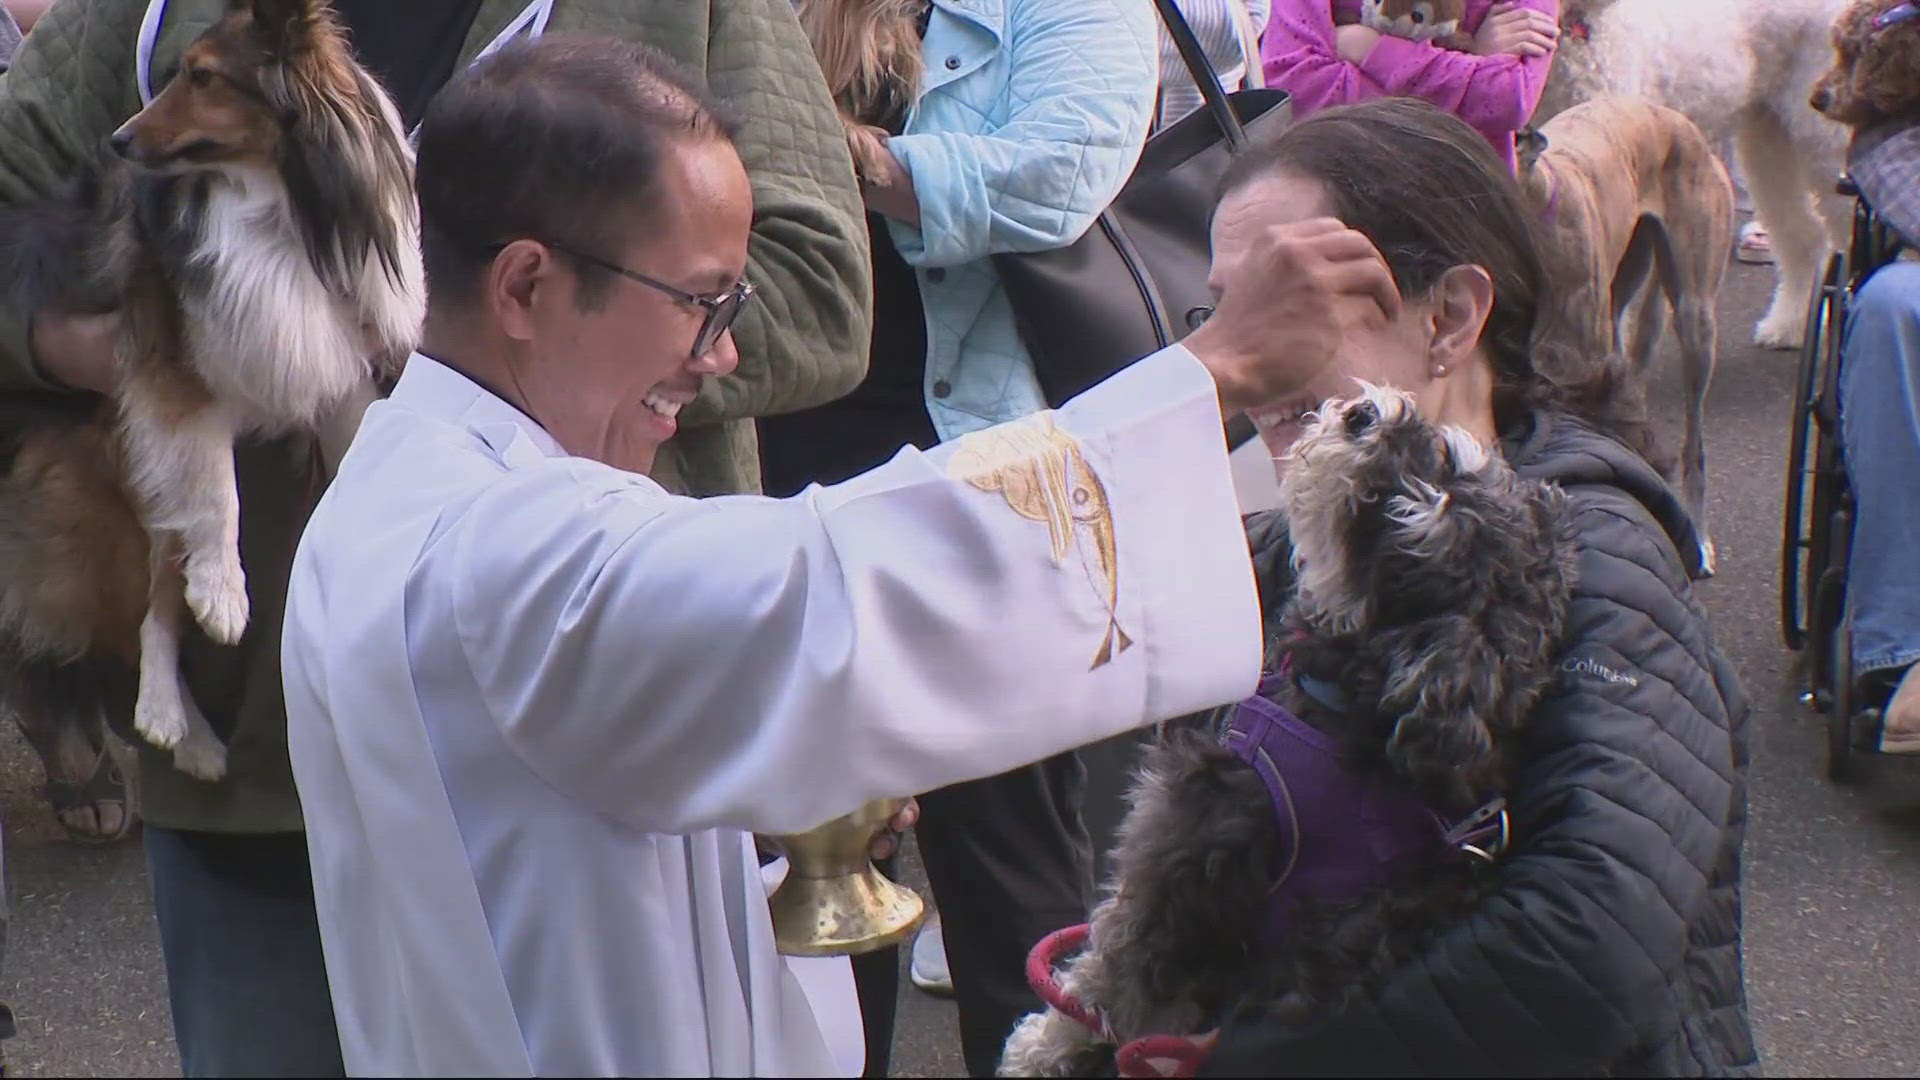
1421, 13
200, 78
1361, 417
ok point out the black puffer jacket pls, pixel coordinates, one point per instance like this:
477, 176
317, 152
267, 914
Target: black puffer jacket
1612, 946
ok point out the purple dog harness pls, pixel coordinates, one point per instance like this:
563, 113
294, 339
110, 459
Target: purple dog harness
1354, 832
1339, 835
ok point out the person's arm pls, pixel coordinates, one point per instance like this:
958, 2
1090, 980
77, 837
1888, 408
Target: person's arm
803, 339
1497, 92
770, 664
69, 87
1298, 55
1084, 74
1024, 589
1619, 817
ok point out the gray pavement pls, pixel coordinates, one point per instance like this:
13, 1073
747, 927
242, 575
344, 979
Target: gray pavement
1833, 886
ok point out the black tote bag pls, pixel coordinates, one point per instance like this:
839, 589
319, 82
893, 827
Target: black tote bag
1137, 280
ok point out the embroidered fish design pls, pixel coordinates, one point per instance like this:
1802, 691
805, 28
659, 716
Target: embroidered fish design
1044, 477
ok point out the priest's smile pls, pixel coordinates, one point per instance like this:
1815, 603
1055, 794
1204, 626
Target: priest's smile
601, 333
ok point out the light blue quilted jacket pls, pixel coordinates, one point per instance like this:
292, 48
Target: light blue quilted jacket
1030, 118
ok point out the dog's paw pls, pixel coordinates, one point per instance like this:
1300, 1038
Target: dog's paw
201, 754
160, 719
217, 593
1780, 330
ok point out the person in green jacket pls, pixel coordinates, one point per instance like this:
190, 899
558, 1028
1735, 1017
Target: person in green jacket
228, 861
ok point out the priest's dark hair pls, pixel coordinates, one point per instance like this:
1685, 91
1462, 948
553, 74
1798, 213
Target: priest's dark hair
558, 140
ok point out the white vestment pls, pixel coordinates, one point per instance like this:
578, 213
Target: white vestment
537, 705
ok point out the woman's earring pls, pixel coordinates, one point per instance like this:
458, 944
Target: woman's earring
1439, 371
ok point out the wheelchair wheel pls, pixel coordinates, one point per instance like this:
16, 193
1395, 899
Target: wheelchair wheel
1831, 672
1840, 763
1799, 566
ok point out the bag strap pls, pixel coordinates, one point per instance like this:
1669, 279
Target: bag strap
1255, 77
1202, 71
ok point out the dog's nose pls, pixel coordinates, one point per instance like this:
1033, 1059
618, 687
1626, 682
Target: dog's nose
1822, 97
121, 141
1361, 417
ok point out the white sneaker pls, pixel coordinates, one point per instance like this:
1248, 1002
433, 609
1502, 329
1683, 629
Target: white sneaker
929, 968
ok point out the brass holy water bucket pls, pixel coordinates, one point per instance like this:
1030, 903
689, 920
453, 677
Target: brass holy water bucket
833, 901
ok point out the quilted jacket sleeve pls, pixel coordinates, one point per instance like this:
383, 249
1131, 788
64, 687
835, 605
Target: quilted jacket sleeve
70, 86
1572, 964
803, 340
1082, 77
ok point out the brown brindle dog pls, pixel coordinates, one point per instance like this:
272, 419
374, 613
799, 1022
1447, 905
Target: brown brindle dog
1631, 192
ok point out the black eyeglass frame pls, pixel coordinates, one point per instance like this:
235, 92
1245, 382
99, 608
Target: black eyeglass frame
721, 308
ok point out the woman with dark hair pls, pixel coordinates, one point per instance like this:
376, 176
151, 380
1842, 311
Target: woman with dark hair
1611, 942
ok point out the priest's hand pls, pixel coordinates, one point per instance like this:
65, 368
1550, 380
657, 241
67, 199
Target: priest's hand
887, 841
1286, 296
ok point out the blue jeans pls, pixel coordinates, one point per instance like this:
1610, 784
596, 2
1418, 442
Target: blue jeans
1880, 429
245, 974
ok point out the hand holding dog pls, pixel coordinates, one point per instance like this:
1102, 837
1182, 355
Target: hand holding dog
79, 351
1512, 30
1286, 296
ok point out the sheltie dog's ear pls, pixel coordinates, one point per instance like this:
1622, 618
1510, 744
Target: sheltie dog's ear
285, 27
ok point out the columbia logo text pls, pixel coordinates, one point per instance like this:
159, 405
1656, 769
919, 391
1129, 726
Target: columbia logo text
1585, 666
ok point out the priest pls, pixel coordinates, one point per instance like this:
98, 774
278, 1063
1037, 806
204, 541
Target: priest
537, 706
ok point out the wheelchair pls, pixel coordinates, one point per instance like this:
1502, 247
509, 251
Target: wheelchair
1819, 507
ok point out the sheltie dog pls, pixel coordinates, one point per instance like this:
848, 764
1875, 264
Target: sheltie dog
255, 229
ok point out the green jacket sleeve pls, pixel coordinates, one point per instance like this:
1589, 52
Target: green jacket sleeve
69, 87
803, 340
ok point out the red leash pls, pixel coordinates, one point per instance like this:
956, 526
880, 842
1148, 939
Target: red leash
1042, 962
1148, 1056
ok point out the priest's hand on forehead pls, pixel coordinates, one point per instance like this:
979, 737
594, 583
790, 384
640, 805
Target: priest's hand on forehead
1286, 295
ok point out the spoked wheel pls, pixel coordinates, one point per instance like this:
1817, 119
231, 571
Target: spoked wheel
1797, 569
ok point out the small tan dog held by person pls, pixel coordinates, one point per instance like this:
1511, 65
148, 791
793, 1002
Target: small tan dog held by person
869, 51
1631, 194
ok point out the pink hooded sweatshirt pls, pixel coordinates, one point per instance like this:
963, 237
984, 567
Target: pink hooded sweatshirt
1494, 94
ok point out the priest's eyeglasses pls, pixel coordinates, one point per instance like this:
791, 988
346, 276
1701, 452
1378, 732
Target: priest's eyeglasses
721, 308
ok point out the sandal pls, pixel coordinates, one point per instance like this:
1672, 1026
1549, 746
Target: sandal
106, 786
1755, 246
